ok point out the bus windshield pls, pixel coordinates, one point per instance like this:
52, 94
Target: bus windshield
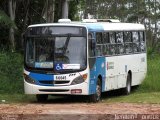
63, 52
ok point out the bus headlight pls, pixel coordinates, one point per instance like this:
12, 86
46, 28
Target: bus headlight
79, 79
29, 79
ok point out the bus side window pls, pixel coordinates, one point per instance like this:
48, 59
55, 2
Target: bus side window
106, 42
128, 42
112, 37
112, 46
99, 38
106, 38
142, 41
127, 37
135, 39
120, 43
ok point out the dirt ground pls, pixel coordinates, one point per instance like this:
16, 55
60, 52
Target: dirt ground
79, 111
80, 108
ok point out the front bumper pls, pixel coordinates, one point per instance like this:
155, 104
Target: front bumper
61, 90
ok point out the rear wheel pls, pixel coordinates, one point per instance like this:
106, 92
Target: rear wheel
41, 98
97, 96
127, 89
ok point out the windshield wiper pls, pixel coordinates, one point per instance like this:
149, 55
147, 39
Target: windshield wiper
66, 43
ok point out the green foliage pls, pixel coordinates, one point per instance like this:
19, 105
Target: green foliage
4, 43
136, 97
11, 80
5, 20
151, 82
73, 9
154, 51
16, 98
150, 51
132, 18
5, 24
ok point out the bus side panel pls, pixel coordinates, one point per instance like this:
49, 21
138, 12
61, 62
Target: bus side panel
98, 70
138, 76
127, 63
134, 64
111, 73
118, 68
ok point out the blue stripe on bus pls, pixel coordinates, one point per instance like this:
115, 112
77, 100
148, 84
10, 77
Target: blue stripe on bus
42, 77
94, 27
99, 69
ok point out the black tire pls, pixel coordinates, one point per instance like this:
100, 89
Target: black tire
41, 98
127, 89
97, 96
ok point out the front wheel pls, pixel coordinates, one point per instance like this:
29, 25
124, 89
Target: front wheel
97, 96
41, 98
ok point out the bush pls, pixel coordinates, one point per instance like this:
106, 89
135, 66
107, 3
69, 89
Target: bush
11, 67
152, 81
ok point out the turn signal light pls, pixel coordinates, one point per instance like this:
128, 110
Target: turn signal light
84, 76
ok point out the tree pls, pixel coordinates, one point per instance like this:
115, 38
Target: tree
5, 24
12, 10
73, 10
48, 10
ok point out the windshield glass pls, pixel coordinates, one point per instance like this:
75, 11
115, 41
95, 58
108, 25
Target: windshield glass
58, 53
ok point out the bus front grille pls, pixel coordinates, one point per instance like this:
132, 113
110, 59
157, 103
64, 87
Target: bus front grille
53, 90
45, 82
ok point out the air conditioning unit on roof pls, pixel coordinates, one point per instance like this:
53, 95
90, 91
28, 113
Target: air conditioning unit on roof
89, 20
64, 21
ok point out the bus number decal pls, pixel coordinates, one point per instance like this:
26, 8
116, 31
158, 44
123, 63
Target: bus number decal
60, 77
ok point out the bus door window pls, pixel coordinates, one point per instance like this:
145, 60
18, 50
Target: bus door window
135, 38
120, 43
142, 41
91, 44
128, 42
99, 42
91, 50
112, 46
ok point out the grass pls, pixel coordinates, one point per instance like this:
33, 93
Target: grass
11, 68
11, 82
16, 98
135, 97
152, 80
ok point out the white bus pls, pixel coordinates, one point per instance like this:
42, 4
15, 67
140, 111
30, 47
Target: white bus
83, 58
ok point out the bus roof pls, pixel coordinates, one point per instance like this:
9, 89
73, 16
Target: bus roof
99, 26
